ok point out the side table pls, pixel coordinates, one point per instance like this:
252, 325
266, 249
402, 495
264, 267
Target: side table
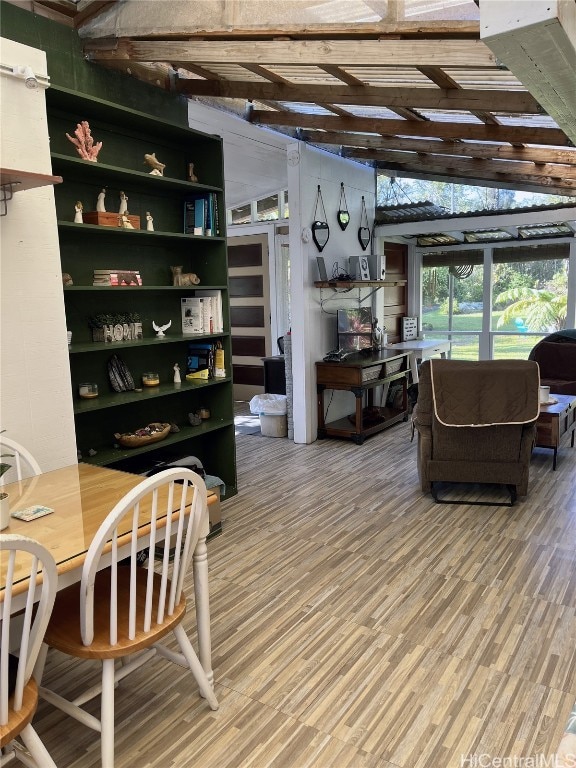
554, 422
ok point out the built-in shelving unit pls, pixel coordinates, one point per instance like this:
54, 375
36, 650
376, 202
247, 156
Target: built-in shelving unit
127, 135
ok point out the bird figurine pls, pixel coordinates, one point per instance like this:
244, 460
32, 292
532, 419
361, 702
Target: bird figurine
156, 165
161, 328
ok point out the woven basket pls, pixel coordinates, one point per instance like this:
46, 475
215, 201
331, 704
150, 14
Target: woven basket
132, 440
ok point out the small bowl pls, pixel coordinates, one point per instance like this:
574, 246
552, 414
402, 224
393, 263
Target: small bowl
150, 379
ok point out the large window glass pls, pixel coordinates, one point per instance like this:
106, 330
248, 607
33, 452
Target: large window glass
529, 300
452, 304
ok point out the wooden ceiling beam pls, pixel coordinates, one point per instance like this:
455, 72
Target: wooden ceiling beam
430, 128
365, 95
464, 54
90, 9
360, 31
488, 151
466, 169
512, 167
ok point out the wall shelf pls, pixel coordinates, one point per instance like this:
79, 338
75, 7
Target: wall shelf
12, 181
359, 284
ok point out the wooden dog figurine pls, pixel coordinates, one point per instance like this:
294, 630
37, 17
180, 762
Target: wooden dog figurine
183, 280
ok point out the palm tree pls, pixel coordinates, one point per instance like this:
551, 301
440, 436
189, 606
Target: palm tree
541, 309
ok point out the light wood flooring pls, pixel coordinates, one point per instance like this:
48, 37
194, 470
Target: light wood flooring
357, 623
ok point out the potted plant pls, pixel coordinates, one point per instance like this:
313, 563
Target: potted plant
4, 503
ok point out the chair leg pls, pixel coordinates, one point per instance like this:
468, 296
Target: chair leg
195, 666
36, 748
107, 714
40, 663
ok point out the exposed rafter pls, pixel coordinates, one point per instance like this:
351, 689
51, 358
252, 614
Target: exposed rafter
440, 130
411, 98
465, 54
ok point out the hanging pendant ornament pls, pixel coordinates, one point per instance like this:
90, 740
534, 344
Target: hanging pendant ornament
320, 229
343, 215
364, 230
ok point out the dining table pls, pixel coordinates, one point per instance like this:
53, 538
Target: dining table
81, 496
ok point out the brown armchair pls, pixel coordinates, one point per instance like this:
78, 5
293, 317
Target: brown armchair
476, 422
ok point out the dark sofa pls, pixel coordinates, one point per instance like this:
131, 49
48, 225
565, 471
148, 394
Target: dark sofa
556, 357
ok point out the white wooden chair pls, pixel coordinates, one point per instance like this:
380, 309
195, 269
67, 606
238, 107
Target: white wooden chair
18, 689
122, 609
23, 463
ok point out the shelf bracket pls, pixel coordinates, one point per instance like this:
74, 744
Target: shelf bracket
6, 194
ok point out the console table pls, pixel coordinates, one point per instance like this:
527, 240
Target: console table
422, 349
359, 374
555, 421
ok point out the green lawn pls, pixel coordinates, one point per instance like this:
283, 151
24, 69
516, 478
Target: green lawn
466, 347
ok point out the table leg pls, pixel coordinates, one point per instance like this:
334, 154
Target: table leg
414, 368
201, 592
554, 459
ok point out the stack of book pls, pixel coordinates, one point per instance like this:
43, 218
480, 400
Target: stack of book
202, 215
202, 313
116, 277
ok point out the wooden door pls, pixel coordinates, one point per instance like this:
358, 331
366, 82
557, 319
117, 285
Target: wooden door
248, 272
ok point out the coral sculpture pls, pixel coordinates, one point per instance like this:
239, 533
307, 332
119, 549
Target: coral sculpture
84, 143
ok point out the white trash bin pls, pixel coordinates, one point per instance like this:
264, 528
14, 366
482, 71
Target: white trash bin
272, 412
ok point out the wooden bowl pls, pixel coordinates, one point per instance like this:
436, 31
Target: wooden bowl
134, 440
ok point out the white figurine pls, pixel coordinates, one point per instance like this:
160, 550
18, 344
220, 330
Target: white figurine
161, 328
100, 206
149, 222
78, 213
177, 379
124, 222
123, 204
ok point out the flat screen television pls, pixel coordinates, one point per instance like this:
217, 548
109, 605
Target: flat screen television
354, 329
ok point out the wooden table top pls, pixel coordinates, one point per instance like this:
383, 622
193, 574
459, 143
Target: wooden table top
81, 496
564, 403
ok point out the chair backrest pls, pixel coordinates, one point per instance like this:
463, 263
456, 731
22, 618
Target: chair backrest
485, 393
18, 668
174, 500
21, 460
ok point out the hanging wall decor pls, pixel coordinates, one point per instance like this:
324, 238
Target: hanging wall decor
320, 229
364, 229
343, 214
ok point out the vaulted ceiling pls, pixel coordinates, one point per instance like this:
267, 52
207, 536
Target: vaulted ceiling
406, 85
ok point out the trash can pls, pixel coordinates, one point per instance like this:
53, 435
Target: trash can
272, 412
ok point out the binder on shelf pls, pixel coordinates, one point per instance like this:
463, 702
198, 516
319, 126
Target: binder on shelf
201, 215
200, 357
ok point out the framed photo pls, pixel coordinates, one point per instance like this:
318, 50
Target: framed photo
409, 328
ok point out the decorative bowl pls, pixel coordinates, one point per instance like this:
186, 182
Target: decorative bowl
153, 433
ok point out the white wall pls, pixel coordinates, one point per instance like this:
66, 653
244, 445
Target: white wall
314, 330
254, 157
36, 401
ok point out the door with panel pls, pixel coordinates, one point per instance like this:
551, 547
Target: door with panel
249, 284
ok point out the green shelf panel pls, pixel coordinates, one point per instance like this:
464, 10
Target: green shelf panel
102, 173
106, 455
111, 347
143, 234
68, 100
137, 289
148, 393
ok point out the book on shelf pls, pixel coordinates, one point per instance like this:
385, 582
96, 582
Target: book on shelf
200, 357
192, 315
202, 313
201, 215
105, 277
